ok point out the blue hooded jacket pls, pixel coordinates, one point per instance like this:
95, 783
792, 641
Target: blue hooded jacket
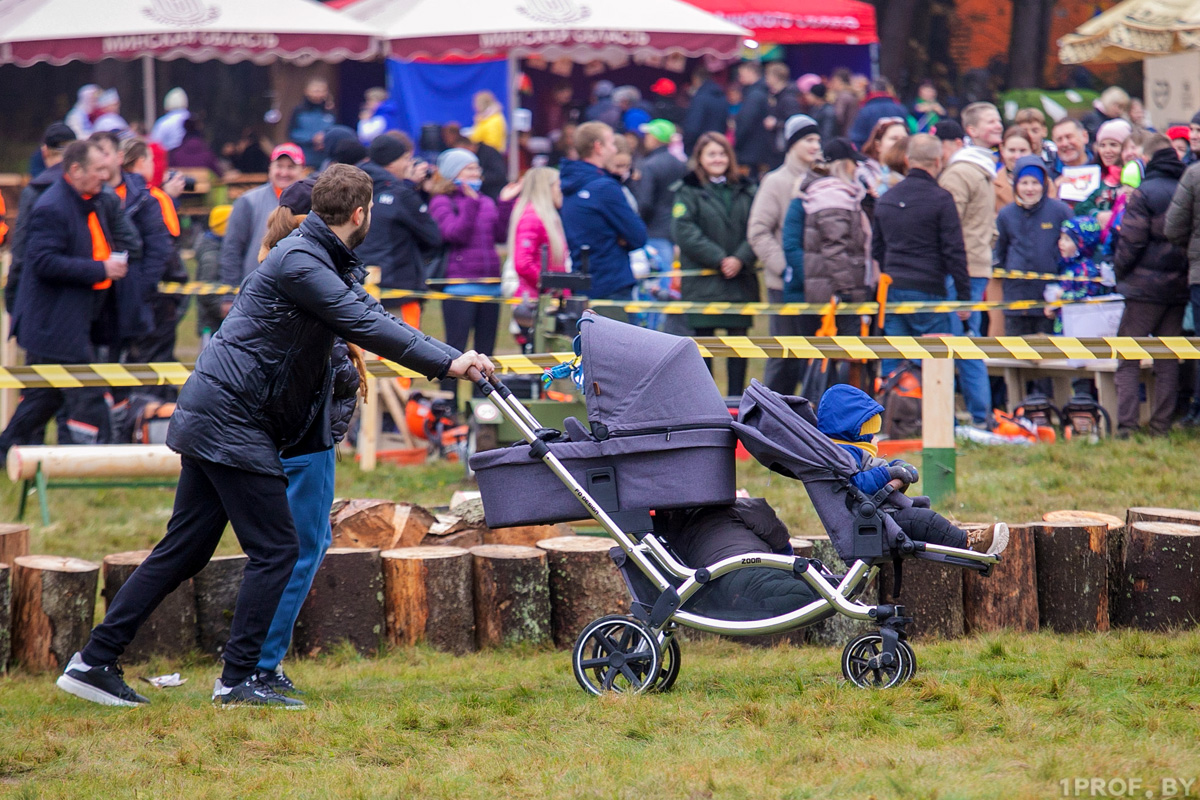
840, 416
1027, 239
596, 214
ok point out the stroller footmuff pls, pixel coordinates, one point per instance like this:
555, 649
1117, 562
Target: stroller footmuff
659, 442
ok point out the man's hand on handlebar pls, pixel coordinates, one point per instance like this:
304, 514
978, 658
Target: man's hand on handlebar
469, 359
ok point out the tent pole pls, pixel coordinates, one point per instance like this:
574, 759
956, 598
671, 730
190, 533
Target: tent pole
514, 157
148, 91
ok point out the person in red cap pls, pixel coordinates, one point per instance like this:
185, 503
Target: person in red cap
248, 220
664, 105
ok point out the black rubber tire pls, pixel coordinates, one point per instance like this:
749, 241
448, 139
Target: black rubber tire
862, 648
670, 666
616, 654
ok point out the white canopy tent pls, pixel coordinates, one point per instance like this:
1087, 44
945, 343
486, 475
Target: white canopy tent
1132, 31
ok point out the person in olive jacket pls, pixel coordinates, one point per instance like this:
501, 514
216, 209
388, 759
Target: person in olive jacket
260, 390
709, 222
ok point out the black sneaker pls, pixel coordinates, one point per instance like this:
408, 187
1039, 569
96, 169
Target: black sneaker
252, 692
104, 684
279, 681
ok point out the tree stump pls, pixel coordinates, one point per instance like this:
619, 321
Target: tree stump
838, 629
428, 597
14, 542
1083, 517
216, 589
512, 595
1008, 598
345, 604
54, 606
1159, 576
382, 524
170, 629
931, 593
1177, 515
1072, 576
584, 584
5, 616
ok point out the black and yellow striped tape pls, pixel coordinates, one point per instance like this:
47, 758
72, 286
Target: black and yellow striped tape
74, 376
1041, 276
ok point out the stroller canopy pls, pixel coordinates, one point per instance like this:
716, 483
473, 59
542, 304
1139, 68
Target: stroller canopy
637, 379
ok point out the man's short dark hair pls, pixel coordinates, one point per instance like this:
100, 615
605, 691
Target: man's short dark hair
78, 152
106, 136
339, 191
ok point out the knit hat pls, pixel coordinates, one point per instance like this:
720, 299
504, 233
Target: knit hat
797, 127
386, 149
1179, 132
1030, 171
1195, 120
948, 130
298, 196
1116, 129
175, 100
453, 161
348, 151
660, 129
218, 218
807, 81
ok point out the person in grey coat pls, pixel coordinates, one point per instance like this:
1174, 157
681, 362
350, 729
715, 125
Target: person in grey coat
248, 222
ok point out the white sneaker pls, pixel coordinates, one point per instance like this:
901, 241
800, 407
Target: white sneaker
991, 540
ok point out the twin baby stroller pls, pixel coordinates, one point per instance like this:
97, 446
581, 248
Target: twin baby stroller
661, 438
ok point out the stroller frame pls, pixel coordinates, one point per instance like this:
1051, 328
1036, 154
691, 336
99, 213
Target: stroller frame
639, 653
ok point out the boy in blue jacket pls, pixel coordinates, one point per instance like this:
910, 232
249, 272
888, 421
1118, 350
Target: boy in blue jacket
850, 418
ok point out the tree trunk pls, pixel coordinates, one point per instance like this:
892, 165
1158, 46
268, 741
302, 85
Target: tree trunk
14, 542
1027, 43
54, 606
170, 629
584, 584
5, 616
838, 629
512, 595
1158, 585
428, 597
931, 593
1176, 515
895, 30
1008, 598
345, 604
1083, 517
216, 587
1072, 576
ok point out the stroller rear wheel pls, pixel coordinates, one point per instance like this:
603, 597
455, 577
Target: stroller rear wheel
861, 663
670, 666
618, 654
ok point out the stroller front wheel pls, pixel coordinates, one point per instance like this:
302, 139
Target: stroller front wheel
861, 663
617, 654
670, 665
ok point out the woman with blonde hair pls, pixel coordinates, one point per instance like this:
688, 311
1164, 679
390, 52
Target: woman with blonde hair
534, 228
490, 127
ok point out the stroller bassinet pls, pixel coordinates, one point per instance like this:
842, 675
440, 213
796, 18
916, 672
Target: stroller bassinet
660, 438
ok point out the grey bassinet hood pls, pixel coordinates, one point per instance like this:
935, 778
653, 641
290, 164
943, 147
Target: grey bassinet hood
636, 379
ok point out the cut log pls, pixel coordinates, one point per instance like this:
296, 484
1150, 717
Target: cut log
5, 616
530, 535
802, 547
54, 606
1072, 576
465, 539
14, 542
345, 604
428, 597
584, 584
1159, 577
1008, 598
512, 595
931, 593
381, 524
470, 510
1177, 515
838, 629
216, 587
412, 523
1083, 517
170, 629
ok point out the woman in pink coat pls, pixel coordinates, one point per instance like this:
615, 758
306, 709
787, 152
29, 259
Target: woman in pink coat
536, 229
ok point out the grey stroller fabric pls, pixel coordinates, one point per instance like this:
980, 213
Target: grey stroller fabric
657, 421
781, 432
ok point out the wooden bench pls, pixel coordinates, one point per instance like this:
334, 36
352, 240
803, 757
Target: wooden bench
1062, 371
90, 467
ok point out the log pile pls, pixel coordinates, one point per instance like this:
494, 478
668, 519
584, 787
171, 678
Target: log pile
216, 589
931, 593
5, 616
14, 542
584, 584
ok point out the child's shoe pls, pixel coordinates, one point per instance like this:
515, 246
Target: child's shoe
991, 540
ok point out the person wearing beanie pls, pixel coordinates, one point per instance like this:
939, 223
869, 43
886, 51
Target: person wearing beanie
108, 114
1181, 140
168, 130
1110, 141
802, 138
404, 236
655, 192
208, 270
348, 151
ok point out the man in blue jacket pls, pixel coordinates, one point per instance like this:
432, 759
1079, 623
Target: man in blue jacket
881, 102
596, 215
66, 290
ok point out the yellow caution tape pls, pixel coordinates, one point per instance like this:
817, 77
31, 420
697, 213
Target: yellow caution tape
1041, 276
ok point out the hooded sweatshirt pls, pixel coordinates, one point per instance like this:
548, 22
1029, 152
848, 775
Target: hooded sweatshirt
1028, 239
596, 215
968, 178
843, 414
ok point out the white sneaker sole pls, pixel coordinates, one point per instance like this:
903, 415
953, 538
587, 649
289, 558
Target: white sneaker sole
226, 706
999, 539
90, 693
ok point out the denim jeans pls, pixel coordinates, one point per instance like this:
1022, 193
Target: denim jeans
972, 375
911, 324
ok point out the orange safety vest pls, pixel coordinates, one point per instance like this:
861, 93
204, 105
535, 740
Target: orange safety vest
101, 250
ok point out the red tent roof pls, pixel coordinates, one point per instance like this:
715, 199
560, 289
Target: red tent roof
799, 21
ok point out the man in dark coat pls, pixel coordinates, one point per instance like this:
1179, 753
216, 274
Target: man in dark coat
783, 101
260, 390
1152, 274
708, 111
660, 169
917, 240
66, 288
880, 102
754, 144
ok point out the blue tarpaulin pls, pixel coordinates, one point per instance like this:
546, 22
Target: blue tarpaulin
441, 93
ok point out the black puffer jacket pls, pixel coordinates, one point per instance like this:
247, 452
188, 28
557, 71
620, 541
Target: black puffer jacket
345, 390
262, 387
401, 231
1150, 269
